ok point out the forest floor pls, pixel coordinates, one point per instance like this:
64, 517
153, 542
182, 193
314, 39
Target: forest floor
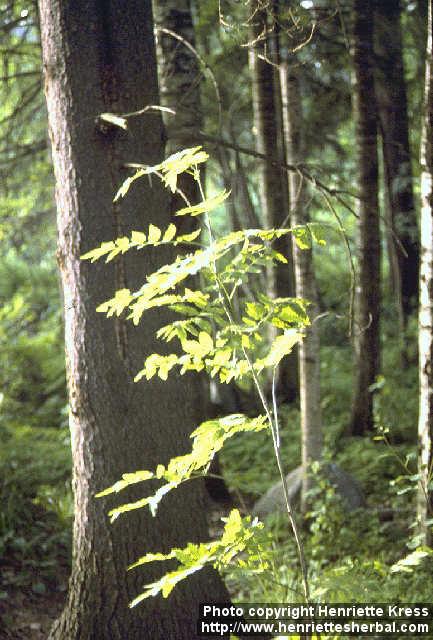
24, 613
32, 595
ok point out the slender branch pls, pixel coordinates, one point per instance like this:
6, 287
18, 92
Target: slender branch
272, 420
351, 262
299, 167
20, 74
149, 107
203, 63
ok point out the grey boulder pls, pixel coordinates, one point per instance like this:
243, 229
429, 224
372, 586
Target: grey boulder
345, 484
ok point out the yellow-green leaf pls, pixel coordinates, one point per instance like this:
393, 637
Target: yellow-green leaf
317, 231
169, 233
302, 237
206, 206
138, 238
127, 480
154, 234
280, 347
127, 183
100, 251
189, 237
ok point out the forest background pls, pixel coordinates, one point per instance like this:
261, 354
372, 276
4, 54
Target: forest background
360, 96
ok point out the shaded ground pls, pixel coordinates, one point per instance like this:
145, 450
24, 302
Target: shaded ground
33, 589
34, 572
28, 616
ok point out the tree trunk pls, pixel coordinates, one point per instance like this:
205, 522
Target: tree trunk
402, 225
230, 181
99, 57
179, 82
425, 424
273, 187
179, 79
368, 285
309, 350
244, 194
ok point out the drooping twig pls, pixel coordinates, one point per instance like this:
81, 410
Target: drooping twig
298, 168
202, 62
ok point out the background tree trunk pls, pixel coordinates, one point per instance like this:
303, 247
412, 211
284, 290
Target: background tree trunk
179, 79
402, 227
179, 83
309, 350
230, 181
272, 181
368, 285
425, 424
99, 57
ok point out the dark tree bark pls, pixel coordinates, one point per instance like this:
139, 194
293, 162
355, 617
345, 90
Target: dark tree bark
230, 184
179, 81
248, 208
272, 181
402, 225
425, 424
368, 281
99, 57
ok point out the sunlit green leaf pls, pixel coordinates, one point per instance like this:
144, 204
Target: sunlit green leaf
95, 254
280, 347
127, 184
239, 533
318, 231
138, 238
154, 234
127, 480
169, 233
302, 237
206, 206
412, 560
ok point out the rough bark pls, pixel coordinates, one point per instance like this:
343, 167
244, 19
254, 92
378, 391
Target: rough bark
179, 83
244, 194
368, 280
179, 72
272, 181
230, 184
402, 227
425, 423
99, 57
309, 350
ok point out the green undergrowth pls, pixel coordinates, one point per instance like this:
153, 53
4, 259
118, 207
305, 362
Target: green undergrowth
35, 507
361, 556
248, 462
32, 376
368, 555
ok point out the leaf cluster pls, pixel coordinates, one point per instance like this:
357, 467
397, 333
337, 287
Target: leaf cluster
207, 439
216, 332
238, 536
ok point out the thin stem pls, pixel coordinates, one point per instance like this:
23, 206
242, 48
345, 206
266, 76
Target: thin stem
273, 421
274, 161
275, 407
203, 63
423, 486
350, 258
